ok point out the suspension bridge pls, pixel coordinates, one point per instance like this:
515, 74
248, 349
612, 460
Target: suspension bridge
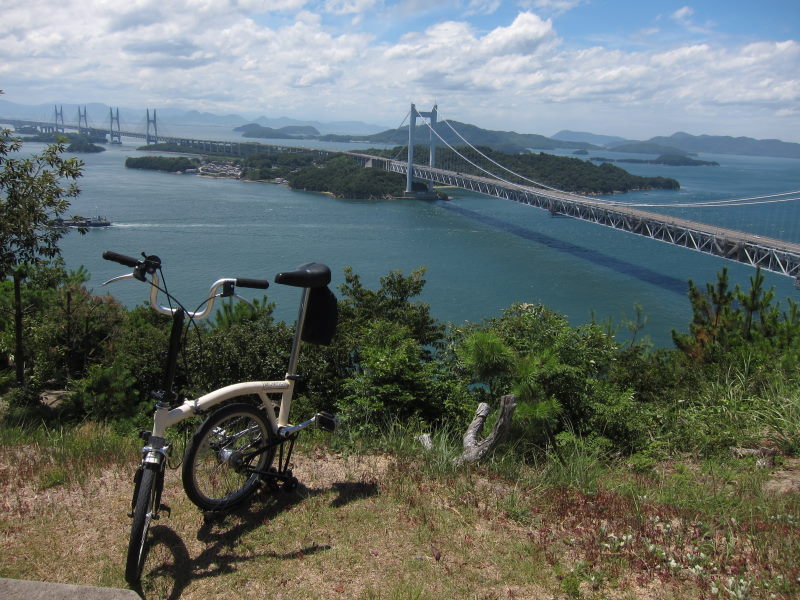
480, 175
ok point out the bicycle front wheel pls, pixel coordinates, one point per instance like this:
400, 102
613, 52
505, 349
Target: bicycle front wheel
143, 513
221, 464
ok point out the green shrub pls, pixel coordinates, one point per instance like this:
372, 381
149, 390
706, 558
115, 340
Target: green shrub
106, 393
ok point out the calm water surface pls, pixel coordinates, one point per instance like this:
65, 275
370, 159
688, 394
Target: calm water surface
481, 253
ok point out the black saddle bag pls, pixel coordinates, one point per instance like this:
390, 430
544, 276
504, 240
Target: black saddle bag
322, 315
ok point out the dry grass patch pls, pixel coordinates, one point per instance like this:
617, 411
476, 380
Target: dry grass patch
375, 527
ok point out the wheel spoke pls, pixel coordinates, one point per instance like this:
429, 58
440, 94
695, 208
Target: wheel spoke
228, 447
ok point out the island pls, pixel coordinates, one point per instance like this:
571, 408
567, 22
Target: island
78, 142
82, 145
341, 175
254, 130
671, 160
170, 164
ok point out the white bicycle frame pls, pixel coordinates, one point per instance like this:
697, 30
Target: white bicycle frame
166, 417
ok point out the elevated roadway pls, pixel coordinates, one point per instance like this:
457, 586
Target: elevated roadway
768, 253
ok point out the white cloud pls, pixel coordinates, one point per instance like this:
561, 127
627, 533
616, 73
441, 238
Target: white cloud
222, 56
346, 7
550, 7
481, 7
683, 15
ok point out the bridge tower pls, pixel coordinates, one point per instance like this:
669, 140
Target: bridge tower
114, 137
83, 121
154, 137
58, 114
412, 126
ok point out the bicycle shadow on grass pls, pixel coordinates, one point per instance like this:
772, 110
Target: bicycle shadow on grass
169, 569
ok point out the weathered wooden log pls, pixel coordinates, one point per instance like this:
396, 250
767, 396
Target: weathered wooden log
476, 448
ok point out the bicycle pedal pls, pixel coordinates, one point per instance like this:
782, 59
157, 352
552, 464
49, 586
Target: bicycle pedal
165, 508
327, 422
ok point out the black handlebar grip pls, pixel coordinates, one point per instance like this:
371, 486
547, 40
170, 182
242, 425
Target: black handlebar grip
120, 258
260, 284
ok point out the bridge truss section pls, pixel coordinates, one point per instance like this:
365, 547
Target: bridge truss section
770, 254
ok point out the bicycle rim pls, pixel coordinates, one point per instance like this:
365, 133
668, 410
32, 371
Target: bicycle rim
219, 463
142, 517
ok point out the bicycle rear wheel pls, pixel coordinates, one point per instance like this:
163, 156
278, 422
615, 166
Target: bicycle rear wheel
143, 512
219, 464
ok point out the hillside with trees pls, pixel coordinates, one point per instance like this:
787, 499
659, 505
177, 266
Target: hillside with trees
503, 141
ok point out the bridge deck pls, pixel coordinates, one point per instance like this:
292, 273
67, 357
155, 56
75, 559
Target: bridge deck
771, 254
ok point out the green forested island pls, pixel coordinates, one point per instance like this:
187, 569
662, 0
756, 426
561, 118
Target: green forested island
340, 175
82, 144
562, 172
79, 143
171, 164
254, 130
671, 160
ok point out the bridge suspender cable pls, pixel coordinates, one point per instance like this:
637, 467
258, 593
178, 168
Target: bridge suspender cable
754, 200
400, 149
537, 183
768, 199
477, 166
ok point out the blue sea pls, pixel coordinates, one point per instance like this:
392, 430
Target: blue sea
481, 253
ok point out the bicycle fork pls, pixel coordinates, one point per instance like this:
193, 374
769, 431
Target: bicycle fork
154, 456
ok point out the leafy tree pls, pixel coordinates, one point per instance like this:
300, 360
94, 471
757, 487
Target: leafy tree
729, 323
563, 377
32, 197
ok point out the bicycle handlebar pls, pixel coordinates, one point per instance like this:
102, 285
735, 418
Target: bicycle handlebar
259, 284
148, 265
121, 258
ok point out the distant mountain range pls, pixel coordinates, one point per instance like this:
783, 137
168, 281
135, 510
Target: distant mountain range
99, 113
505, 141
589, 138
718, 144
684, 143
254, 130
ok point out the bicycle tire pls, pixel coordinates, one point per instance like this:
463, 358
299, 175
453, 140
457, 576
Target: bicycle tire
215, 474
142, 516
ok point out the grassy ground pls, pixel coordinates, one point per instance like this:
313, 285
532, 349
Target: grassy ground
373, 525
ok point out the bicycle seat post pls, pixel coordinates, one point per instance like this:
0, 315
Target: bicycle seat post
298, 333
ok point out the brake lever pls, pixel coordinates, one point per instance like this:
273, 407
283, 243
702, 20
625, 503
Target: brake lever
238, 297
118, 278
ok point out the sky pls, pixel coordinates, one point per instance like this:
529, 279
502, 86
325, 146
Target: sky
632, 68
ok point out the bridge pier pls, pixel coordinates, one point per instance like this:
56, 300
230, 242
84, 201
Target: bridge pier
83, 122
59, 113
412, 130
154, 137
114, 137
